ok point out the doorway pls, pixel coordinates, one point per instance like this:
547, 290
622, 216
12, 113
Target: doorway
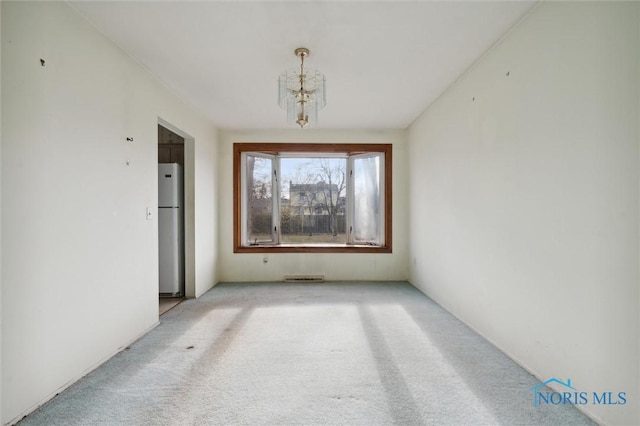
174, 207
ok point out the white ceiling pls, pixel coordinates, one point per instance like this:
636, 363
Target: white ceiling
385, 62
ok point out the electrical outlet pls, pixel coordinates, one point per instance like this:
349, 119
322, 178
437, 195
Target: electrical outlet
149, 213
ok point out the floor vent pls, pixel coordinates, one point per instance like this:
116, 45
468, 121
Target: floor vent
304, 278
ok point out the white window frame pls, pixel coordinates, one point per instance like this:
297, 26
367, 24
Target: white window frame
351, 201
275, 197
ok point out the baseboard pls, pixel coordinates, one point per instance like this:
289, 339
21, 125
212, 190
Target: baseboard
509, 355
75, 379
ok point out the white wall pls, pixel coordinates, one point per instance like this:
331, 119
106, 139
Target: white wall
79, 277
206, 216
341, 266
0, 220
524, 201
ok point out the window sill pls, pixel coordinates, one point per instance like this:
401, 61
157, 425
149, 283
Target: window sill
312, 248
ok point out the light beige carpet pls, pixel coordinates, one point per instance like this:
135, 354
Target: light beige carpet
290, 354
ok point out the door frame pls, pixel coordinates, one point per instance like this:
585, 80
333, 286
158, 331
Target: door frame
189, 208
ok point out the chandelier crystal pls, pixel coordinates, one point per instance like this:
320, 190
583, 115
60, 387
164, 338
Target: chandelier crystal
302, 92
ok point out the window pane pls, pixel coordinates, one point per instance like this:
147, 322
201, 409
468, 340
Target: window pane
313, 200
259, 195
367, 208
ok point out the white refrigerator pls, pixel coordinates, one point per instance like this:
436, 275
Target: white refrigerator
170, 229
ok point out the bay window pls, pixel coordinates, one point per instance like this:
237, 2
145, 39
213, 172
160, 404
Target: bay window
312, 197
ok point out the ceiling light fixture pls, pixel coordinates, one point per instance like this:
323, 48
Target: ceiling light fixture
302, 92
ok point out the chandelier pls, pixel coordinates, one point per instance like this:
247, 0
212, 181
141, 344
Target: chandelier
302, 92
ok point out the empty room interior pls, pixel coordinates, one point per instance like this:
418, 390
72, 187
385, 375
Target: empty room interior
323, 212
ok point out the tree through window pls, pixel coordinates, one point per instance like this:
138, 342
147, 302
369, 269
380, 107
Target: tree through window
313, 200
